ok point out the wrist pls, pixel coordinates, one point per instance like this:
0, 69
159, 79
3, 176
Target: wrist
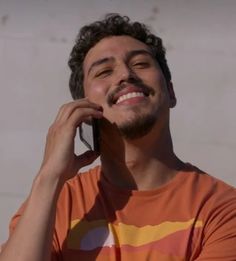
46, 181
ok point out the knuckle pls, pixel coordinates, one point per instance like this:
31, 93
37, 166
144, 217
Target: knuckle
51, 128
51, 131
62, 108
54, 128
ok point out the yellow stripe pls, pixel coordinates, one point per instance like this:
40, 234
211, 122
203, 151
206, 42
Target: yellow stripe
128, 234
148, 234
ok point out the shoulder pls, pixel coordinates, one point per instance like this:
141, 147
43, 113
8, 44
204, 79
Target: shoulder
208, 195
88, 177
207, 183
84, 184
217, 211
215, 198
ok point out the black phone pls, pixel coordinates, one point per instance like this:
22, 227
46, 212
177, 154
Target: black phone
89, 135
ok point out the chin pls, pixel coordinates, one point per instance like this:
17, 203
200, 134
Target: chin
138, 127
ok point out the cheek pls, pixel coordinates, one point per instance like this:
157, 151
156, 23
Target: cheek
153, 77
96, 92
156, 81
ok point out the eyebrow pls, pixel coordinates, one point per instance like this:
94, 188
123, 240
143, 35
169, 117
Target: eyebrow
133, 53
100, 61
129, 56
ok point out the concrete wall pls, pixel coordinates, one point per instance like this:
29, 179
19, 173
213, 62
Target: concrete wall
36, 37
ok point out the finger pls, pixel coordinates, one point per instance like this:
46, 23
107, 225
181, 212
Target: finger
67, 109
82, 115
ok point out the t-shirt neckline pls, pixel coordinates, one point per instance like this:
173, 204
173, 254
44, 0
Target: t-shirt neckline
177, 180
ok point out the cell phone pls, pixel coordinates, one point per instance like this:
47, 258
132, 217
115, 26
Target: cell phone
89, 135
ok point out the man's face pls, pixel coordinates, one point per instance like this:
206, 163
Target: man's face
121, 75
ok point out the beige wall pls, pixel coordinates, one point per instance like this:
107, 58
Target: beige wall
36, 37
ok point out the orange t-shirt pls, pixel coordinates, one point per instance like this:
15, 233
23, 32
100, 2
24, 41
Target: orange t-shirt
193, 217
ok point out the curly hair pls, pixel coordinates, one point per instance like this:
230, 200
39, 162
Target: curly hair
112, 25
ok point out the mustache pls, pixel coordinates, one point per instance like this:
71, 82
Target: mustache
147, 90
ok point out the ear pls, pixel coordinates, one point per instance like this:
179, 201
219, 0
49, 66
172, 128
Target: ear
171, 92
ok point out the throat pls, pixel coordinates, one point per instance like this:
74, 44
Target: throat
139, 175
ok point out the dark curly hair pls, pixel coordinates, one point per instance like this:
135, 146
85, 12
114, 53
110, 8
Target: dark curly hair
112, 25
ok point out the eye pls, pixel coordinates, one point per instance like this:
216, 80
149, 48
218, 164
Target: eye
103, 73
141, 64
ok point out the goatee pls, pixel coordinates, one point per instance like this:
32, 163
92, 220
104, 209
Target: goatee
138, 127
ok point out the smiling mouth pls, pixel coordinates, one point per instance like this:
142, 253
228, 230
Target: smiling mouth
129, 91
130, 96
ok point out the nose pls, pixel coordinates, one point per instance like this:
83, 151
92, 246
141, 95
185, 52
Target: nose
124, 74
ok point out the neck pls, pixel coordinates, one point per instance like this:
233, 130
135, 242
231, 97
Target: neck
145, 163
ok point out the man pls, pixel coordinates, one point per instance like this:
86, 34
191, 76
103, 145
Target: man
142, 203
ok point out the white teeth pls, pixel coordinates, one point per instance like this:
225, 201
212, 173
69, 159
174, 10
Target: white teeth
129, 95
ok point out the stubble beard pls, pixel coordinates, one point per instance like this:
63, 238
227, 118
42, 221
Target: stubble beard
137, 127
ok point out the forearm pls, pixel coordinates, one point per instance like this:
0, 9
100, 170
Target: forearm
32, 237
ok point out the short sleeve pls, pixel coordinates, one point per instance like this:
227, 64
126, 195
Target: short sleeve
219, 243
13, 223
